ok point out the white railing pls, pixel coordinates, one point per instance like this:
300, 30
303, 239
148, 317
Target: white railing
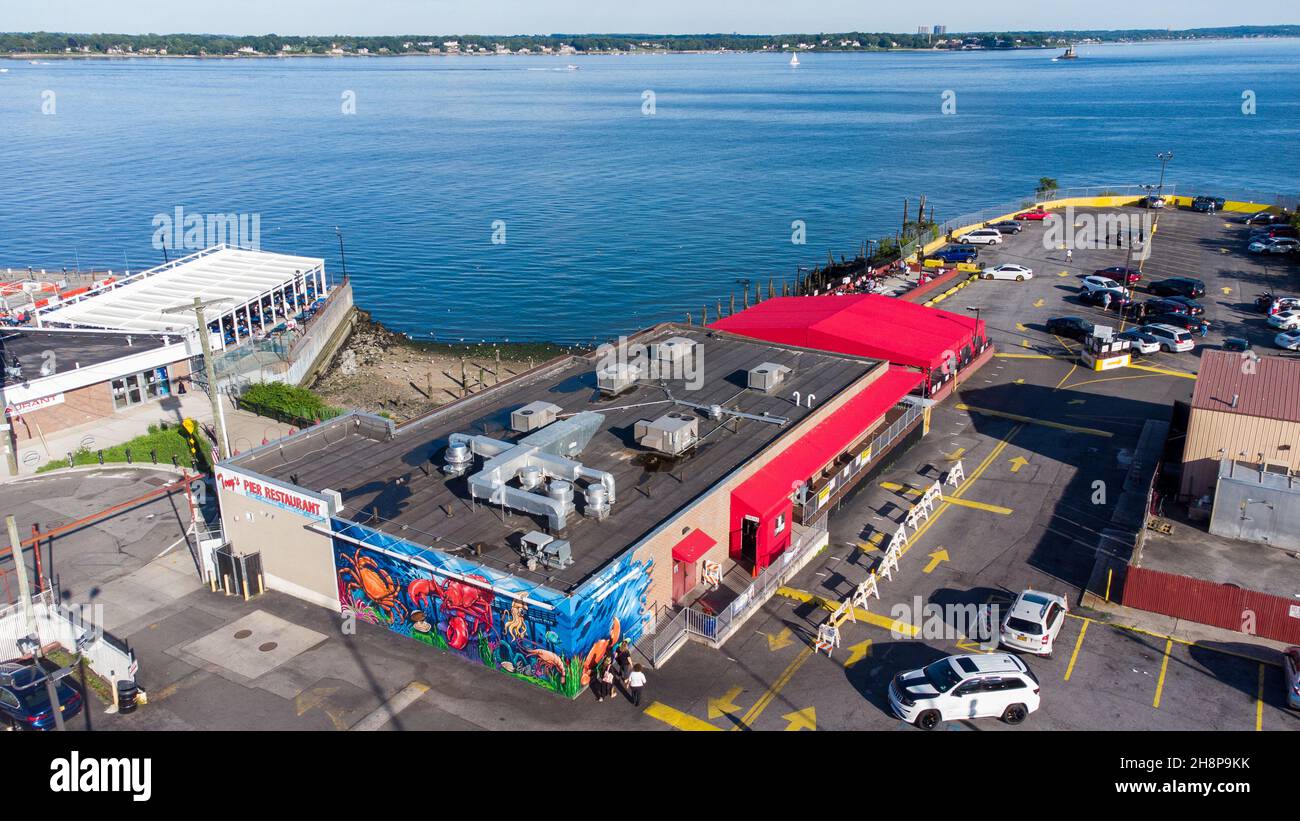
68, 627
117, 283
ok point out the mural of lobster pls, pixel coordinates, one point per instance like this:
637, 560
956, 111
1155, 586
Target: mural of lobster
466, 610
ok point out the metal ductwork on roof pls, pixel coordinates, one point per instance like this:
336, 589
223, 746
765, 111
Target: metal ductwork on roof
544, 453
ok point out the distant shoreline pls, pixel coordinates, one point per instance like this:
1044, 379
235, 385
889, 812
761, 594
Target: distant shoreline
60, 55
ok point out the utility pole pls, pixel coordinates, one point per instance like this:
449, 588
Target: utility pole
29, 617
209, 368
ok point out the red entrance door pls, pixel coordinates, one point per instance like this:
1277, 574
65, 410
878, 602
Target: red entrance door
685, 576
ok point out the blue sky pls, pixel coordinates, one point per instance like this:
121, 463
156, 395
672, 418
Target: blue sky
639, 16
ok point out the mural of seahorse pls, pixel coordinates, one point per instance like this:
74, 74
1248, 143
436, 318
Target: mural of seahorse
516, 627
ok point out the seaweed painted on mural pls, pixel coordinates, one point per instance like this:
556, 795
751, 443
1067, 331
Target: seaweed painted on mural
529, 632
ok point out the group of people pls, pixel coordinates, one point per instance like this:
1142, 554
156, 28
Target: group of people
630, 677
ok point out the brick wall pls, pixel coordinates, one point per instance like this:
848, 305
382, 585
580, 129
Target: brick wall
79, 407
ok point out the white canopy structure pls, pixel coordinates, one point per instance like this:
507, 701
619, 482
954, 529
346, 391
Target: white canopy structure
256, 290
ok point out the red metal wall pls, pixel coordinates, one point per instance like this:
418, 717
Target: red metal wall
1210, 603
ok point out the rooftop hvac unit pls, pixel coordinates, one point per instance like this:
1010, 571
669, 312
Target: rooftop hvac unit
614, 378
672, 433
538, 548
767, 376
674, 351
532, 416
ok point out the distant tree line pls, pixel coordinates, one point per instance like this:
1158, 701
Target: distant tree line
227, 45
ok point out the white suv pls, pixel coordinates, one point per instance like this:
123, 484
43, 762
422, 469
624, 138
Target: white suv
979, 685
1170, 338
1033, 622
1093, 282
982, 236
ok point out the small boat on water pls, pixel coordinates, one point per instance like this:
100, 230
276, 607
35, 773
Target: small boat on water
794, 61
1070, 54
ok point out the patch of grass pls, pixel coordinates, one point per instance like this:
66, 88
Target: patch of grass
288, 400
166, 439
93, 683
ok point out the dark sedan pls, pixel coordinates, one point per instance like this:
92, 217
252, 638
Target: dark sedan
1195, 324
1177, 286
1174, 305
25, 698
1118, 299
1073, 327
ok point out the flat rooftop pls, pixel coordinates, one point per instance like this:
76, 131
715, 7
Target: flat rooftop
233, 275
46, 353
428, 507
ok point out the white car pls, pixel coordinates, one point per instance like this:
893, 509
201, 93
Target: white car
1092, 282
1285, 320
1008, 271
979, 685
1033, 622
1288, 340
1170, 338
982, 236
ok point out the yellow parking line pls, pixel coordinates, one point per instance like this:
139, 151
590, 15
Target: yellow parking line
678, 719
1003, 511
759, 706
1164, 667
1032, 421
1026, 356
1073, 368
1259, 700
1165, 371
902, 628
1075, 655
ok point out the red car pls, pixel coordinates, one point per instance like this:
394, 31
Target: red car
1129, 276
1038, 213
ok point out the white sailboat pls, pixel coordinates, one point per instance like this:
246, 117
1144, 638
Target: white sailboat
794, 61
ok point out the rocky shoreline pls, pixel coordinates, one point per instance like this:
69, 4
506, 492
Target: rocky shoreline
382, 371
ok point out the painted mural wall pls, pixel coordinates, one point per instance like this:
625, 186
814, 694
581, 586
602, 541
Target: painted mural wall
486, 616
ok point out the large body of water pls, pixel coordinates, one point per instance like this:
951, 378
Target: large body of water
614, 218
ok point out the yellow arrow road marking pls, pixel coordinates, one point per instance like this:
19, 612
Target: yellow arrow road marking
1227, 291
971, 646
805, 719
1064, 274
1019, 382
678, 719
1017, 463
857, 652
936, 557
1038, 303
1024, 343
1020, 326
781, 640
955, 455
724, 704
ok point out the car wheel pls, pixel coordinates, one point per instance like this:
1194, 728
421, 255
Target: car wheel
988, 276
1020, 278
928, 719
1015, 714
1166, 348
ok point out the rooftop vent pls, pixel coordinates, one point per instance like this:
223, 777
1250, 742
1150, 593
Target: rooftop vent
616, 377
672, 433
767, 376
532, 416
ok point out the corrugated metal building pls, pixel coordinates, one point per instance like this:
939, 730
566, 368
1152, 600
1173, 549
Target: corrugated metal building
1245, 408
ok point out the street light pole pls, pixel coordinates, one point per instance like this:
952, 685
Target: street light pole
342, 256
1164, 157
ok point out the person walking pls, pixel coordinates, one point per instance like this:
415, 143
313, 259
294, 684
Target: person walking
623, 657
607, 680
1069, 256
1105, 301
636, 682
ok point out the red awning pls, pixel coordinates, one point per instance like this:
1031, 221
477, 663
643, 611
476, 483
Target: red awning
770, 488
695, 545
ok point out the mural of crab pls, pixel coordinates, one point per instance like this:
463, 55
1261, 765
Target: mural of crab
362, 575
466, 610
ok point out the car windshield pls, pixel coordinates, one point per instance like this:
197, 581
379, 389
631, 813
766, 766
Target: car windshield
942, 676
1023, 626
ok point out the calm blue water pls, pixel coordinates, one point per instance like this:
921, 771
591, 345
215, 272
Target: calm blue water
614, 219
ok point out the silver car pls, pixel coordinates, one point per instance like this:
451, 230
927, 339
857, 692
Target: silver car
1291, 667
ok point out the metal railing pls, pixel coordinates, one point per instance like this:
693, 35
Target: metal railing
808, 512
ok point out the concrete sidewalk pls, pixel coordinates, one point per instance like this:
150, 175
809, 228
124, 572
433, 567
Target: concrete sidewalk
246, 430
